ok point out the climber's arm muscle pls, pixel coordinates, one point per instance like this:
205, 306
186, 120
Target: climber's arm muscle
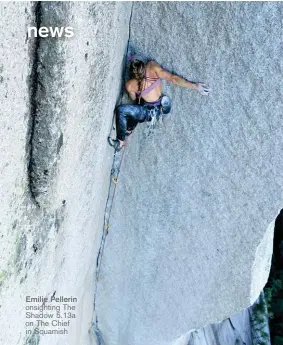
172, 78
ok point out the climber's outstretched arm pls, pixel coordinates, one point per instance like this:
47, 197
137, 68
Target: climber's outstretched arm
175, 79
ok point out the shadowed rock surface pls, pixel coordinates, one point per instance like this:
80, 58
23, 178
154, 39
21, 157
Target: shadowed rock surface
57, 99
190, 238
50, 101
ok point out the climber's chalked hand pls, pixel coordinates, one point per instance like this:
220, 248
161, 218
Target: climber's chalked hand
203, 89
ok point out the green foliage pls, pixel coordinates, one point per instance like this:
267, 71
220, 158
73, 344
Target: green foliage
273, 291
278, 340
277, 306
261, 342
258, 321
268, 299
276, 285
259, 309
265, 335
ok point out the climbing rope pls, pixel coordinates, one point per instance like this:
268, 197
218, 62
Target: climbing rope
116, 167
114, 179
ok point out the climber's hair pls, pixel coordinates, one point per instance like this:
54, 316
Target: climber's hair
137, 71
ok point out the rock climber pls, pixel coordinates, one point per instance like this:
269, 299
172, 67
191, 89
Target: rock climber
145, 88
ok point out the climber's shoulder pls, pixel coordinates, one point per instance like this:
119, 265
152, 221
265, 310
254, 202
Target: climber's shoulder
153, 65
153, 68
131, 85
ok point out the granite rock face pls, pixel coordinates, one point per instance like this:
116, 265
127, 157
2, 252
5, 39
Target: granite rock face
57, 100
192, 221
14, 94
191, 231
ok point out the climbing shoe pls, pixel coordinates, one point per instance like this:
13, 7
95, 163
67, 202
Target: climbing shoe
116, 145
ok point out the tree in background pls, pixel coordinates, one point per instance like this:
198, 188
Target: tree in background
273, 290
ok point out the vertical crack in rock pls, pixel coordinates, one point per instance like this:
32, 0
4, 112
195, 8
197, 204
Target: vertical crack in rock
117, 160
124, 76
130, 24
116, 165
33, 87
128, 50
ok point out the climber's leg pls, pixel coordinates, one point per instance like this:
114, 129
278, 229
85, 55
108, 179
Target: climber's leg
127, 118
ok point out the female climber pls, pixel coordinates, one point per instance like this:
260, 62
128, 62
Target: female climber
145, 88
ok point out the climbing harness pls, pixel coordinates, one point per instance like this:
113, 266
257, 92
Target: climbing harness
157, 116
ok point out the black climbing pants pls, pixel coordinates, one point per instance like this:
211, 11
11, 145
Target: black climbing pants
129, 115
